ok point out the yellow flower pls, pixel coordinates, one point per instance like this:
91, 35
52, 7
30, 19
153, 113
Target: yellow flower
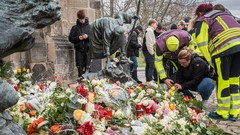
171, 93
24, 69
19, 70
78, 114
173, 88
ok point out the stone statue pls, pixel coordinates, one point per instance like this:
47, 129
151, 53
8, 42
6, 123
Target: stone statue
8, 98
106, 37
20, 18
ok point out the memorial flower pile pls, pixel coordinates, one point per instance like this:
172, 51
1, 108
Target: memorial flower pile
97, 107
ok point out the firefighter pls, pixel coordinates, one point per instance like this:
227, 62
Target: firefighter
168, 46
217, 35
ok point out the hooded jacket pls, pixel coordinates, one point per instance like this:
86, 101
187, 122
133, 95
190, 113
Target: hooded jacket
76, 31
133, 47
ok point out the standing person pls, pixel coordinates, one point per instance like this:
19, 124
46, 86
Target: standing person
193, 74
181, 25
79, 36
158, 30
168, 46
133, 52
218, 38
148, 49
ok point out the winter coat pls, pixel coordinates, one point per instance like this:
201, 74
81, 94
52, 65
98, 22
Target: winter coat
189, 77
76, 31
133, 47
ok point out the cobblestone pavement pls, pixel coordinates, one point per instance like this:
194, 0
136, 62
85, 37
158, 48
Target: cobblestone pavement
228, 126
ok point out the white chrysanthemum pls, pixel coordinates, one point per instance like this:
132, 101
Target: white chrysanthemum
82, 101
90, 107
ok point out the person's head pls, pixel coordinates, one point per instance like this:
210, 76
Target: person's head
172, 43
184, 57
153, 23
187, 19
81, 14
219, 7
181, 24
173, 26
139, 28
202, 9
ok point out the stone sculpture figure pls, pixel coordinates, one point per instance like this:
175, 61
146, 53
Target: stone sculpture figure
106, 37
8, 98
20, 18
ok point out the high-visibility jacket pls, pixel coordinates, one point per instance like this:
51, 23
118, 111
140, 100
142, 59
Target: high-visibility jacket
161, 49
217, 34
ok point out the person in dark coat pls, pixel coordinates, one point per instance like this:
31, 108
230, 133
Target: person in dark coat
79, 36
133, 52
193, 74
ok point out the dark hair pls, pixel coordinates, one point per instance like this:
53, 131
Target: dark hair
81, 14
159, 26
173, 26
187, 19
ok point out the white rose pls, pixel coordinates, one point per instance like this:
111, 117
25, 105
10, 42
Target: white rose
90, 107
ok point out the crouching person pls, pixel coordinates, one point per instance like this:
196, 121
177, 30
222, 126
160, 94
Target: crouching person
193, 74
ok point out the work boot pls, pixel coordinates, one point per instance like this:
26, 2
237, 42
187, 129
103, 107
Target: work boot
134, 76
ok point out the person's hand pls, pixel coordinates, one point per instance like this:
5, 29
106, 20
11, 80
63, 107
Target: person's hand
81, 37
85, 36
169, 83
178, 86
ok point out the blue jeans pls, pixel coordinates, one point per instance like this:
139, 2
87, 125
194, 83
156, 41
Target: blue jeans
134, 65
149, 69
204, 88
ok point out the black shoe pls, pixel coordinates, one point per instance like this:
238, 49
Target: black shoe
139, 82
231, 118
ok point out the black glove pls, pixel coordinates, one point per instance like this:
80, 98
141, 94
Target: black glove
136, 17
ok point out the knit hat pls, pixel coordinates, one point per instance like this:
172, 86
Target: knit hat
172, 43
139, 27
203, 8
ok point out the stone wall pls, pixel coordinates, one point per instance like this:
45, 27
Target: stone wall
52, 54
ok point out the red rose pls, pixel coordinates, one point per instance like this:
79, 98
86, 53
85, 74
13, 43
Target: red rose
16, 87
85, 129
81, 90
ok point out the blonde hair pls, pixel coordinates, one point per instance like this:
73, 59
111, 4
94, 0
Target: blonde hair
185, 54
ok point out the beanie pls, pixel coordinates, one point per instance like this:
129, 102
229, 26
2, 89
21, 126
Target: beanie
172, 43
139, 27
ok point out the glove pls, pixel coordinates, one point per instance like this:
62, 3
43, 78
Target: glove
136, 17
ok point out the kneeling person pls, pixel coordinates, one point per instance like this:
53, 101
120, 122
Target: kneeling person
194, 74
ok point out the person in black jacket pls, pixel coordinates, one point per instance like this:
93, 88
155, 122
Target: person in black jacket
194, 74
133, 52
79, 37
